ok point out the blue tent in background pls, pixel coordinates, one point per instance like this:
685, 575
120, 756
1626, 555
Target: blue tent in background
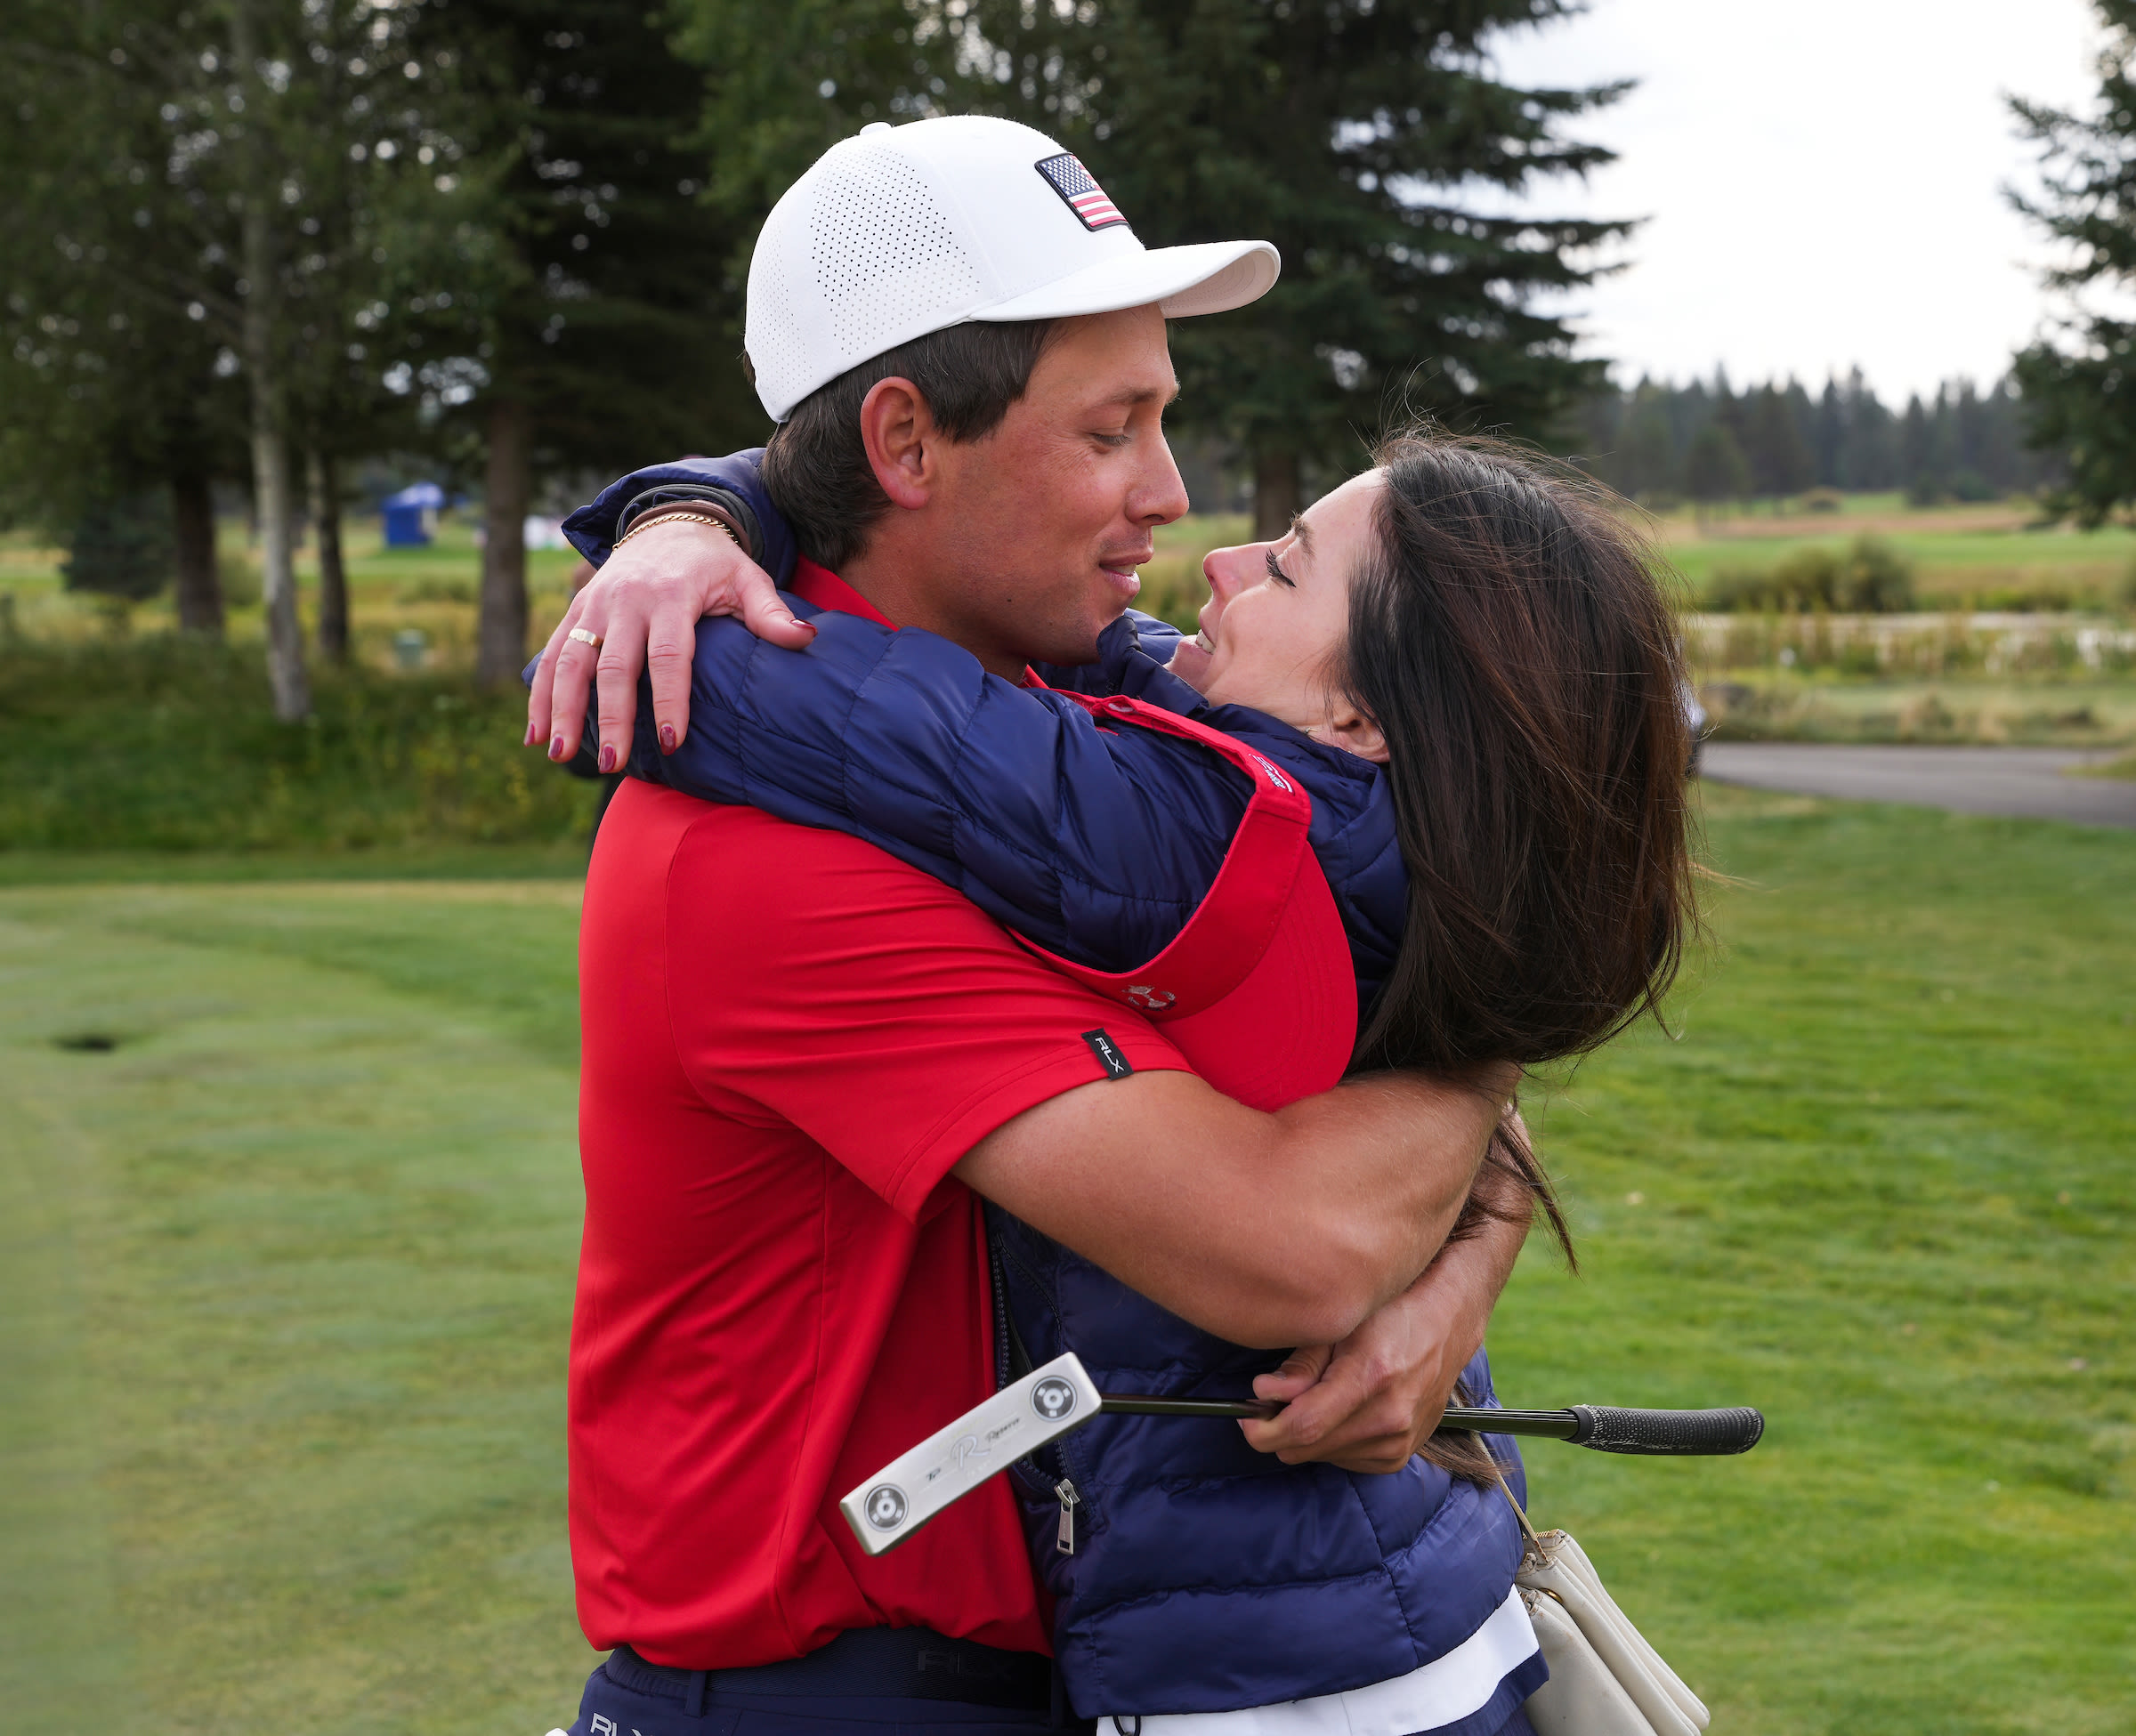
412, 515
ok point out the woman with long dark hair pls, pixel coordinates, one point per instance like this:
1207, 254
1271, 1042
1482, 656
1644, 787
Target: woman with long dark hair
1465, 658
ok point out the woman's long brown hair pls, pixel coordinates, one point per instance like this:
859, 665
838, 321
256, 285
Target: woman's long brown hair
1512, 639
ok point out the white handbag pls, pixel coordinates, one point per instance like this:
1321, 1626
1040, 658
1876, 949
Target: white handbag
1605, 1679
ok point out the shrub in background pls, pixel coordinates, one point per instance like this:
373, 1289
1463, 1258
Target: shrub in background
1868, 577
122, 547
239, 575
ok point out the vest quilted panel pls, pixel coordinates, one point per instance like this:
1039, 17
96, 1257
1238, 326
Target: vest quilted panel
1208, 1576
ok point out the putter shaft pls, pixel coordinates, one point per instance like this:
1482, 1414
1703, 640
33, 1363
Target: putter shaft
1600, 1427
1553, 1425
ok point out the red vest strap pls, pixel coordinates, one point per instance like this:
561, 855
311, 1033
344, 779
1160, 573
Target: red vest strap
1231, 929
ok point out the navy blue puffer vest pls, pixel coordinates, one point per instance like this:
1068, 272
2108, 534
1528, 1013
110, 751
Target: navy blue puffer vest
1205, 1576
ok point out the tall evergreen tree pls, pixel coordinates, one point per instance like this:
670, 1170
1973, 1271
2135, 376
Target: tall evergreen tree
1829, 441
2080, 387
1649, 454
109, 381
1347, 134
1872, 456
1780, 462
1714, 470
576, 300
1916, 445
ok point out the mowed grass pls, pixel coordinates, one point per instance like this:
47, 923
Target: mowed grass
287, 1276
289, 1272
1880, 1185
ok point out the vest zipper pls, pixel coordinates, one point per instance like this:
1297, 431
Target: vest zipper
1000, 1300
1008, 1365
1065, 1538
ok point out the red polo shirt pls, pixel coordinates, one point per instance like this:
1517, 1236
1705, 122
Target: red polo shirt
790, 1038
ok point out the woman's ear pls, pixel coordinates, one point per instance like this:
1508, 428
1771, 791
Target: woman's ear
1349, 729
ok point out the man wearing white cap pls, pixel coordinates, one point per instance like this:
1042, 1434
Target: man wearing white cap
804, 1061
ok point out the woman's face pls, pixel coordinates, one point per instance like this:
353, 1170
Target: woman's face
1278, 613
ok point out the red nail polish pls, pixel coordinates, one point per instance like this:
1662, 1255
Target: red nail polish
559, 749
608, 758
533, 735
666, 737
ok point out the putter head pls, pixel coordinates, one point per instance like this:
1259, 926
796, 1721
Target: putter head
898, 1499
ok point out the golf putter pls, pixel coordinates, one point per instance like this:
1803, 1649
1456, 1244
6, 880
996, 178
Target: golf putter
1022, 1417
1059, 1398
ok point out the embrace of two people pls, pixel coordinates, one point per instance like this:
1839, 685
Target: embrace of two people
974, 969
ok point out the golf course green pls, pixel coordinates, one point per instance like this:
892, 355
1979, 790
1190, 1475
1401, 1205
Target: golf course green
289, 1212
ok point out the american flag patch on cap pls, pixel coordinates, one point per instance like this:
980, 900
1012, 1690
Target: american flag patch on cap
1066, 175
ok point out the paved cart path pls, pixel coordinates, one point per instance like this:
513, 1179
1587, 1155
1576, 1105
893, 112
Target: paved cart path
2024, 783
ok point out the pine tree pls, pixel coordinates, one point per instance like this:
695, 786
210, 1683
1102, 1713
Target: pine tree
1780, 459
1830, 439
575, 300
1714, 470
1343, 134
2081, 391
110, 383
1346, 133
1649, 460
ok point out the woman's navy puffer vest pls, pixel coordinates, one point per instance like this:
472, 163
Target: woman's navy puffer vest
1205, 1576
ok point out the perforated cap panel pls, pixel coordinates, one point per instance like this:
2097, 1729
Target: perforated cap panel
882, 251
777, 346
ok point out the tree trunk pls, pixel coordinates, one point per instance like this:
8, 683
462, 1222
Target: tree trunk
1274, 495
199, 588
272, 498
501, 636
333, 577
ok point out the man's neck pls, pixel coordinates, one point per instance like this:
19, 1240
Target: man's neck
897, 581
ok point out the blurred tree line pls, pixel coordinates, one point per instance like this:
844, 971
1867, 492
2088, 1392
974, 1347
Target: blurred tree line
1708, 443
258, 241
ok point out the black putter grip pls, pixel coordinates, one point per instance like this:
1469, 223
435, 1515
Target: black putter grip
1607, 1429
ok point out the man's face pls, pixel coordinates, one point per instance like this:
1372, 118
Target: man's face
1038, 528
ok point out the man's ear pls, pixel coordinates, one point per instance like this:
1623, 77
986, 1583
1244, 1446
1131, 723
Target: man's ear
898, 431
1349, 729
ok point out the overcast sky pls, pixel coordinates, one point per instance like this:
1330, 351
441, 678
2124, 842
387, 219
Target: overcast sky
1822, 180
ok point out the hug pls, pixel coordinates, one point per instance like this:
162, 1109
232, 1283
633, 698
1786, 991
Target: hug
975, 970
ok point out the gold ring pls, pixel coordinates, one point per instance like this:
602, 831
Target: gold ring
585, 638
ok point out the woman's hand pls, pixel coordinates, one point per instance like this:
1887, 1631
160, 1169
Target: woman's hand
1368, 1402
643, 608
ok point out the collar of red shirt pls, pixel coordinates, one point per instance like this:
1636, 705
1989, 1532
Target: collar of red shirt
826, 590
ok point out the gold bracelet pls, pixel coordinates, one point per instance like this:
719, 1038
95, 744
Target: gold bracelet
682, 510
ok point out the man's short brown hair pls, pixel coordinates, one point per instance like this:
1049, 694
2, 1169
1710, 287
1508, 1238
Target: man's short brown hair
816, 469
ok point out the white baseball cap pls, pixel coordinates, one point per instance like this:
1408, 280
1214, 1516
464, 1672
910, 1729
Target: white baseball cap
904, 230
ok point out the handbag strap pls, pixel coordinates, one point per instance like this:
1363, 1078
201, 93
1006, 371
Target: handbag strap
1527, 1530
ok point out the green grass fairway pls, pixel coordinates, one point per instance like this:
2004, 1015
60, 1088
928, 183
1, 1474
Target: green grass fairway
1881, 1187
288, 1272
